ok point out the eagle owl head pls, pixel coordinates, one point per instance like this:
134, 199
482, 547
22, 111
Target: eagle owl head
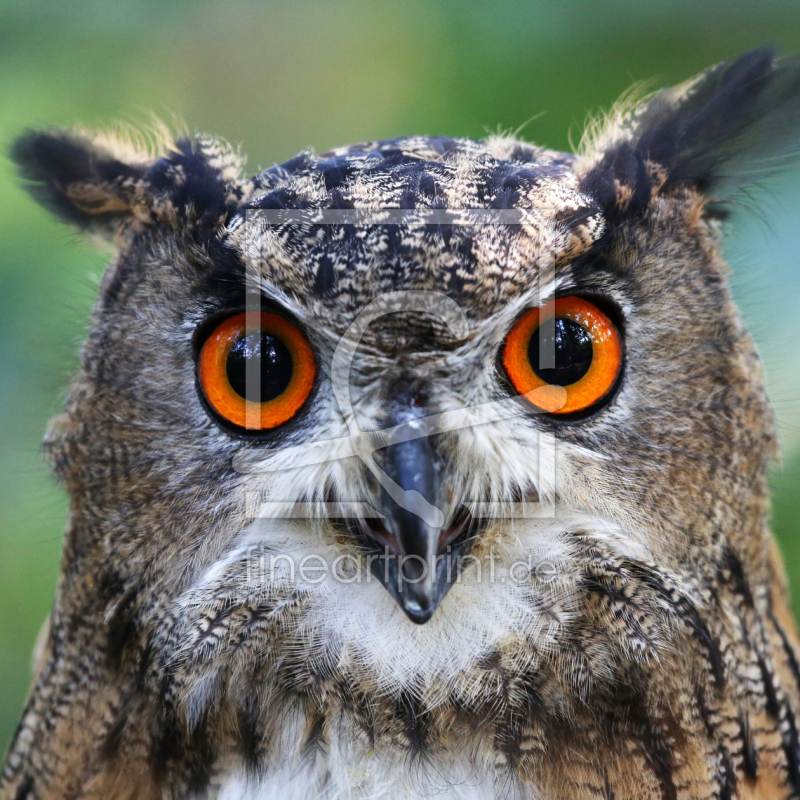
425, 450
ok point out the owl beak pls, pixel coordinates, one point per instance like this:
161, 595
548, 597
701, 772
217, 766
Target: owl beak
417, 470
417, 565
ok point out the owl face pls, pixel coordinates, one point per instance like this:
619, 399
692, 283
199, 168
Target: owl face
439, 324
378, 419
407, 324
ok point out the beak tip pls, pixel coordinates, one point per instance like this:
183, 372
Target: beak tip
416, 613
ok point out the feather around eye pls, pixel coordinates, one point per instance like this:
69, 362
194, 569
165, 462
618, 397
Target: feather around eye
587, 349
277, 352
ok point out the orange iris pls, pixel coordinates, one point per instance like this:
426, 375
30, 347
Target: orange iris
598, 365
231, 344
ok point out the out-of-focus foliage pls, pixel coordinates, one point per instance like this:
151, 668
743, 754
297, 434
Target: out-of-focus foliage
280, 77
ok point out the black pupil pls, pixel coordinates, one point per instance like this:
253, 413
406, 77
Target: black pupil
573, 351
269, 357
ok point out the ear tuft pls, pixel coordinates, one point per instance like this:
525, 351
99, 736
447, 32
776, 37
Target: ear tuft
734, 124
81, 182
113, 183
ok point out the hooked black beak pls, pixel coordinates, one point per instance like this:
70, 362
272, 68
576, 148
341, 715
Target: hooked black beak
421, 538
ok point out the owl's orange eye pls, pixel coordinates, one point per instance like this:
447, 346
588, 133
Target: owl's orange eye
588, 355
256, 378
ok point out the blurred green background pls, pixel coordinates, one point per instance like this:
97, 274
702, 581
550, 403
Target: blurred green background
279, 77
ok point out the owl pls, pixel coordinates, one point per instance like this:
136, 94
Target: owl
422, 467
